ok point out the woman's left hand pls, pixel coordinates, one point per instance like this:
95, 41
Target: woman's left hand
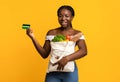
61, 63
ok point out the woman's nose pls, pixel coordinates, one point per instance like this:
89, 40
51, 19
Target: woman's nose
63, 18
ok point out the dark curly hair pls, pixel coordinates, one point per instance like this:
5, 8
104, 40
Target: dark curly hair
68, 8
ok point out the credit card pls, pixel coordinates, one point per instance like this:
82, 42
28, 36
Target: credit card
25, 26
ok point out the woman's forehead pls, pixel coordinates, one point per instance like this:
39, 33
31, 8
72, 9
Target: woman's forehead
65, 11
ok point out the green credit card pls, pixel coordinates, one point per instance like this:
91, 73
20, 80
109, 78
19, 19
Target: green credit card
25, 26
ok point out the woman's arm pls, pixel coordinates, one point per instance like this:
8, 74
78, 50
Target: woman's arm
76, 55
43, 51
79, 53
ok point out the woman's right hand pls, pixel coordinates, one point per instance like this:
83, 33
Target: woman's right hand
30, 33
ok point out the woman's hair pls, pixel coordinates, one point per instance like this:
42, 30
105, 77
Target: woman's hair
66, 7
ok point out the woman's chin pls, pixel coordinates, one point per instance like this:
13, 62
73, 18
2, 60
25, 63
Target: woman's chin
64, 26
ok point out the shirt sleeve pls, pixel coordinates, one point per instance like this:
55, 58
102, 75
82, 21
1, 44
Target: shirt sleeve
82, 37
49, 37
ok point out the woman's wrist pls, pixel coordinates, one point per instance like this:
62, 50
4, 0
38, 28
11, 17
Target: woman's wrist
67, 58
33, 38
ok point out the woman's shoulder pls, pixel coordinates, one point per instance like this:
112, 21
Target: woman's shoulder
52, 31
77, 31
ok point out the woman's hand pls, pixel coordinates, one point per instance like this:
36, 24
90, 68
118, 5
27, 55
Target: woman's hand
61, 63
30, 33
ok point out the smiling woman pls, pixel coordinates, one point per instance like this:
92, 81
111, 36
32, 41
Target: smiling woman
65, 16
97, 19
59, 62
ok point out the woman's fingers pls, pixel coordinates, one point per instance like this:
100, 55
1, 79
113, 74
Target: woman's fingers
30, 33
60, 67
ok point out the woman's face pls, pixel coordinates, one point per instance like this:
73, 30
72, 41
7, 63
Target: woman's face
65, 17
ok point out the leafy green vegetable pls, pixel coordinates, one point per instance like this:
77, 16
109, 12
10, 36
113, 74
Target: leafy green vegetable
59, 38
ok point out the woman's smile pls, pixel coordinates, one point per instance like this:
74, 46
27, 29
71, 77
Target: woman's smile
65, 18
64, 23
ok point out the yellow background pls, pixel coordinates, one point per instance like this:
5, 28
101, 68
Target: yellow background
99, 20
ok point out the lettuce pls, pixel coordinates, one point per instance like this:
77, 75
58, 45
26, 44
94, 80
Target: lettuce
59, 38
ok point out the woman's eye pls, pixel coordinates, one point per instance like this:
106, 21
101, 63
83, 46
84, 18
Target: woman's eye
60, 16
67, 15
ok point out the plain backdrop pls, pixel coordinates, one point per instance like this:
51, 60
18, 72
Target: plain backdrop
99, 20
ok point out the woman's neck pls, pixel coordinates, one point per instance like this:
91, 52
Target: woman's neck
65, 28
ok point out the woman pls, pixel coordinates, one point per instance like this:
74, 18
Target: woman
65, 16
